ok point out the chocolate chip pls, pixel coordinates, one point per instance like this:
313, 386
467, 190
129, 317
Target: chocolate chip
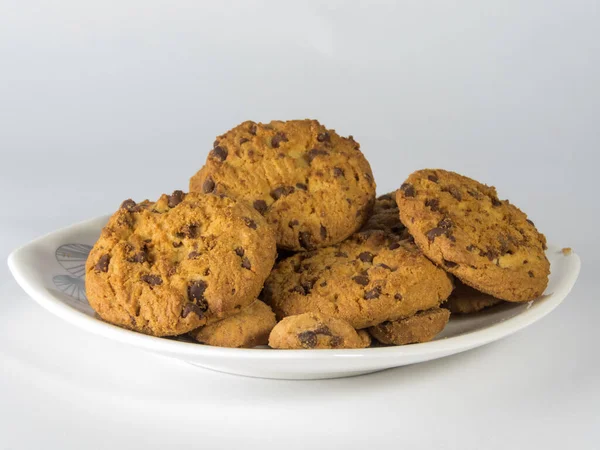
336, 341
177, 244
323, 329
220, 153
216, 143
433, 178
338, 172
323, 232
208, 186
308, 339
190, 231
341, 254
496, 202
474, 194
102, 264
250, 223
260, 206
306, 241
530, 273
324, 137
471, 247
243, 140
530, 222
385, 266
207, 272
240, 251
196, 290
277, 139
450, 263
139, 257
193, 255
130, 205
282, 191
301, 186
360, 279
252, 129
453, 191
323, 284
293, 223
445, 223
312, 154
366, 257
307, 285
246, 263
298, 289
408, 189
394, 245
175, 198
373, 293
398, 296
433, 204
491, 254
152, 280
199, 310
435, 232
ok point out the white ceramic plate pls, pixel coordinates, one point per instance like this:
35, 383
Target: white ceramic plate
51, 270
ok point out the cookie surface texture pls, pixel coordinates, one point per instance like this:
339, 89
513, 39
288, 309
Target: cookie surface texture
166, 268
422, 327
314, 187
317, 331
248, 328
367, 279
487, 243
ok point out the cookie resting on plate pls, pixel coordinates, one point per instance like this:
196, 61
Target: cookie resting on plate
166, 268
314, 187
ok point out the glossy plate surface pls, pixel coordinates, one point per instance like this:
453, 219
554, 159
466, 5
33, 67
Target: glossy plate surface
51, 270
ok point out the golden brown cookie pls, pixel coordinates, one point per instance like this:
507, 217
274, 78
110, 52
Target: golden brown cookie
487, 243
466, 300
165, 268
314, 187
367, 279
246, 329
318, 331
386, 216
422, 327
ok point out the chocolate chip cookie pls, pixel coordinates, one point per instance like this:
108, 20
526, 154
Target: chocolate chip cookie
422, 327
367, 279
165, 268
464, 227
316, 331
314, 187
246, 329
466, 300
386, 216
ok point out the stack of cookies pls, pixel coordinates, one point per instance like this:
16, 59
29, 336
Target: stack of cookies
281, 241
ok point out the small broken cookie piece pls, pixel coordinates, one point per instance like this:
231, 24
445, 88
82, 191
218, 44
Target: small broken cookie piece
246, 329
422, 327
316, 331
567, 251
466, 300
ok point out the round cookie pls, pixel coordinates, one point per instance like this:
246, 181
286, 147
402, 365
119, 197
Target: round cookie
166, 268
314, 187
386, 216
367, 279
422, 327
466, 300
487, 243
316, 331
246, 329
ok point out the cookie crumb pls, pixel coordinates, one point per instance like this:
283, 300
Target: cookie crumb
566, 251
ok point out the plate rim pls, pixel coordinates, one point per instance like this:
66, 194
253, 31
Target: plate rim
454, 344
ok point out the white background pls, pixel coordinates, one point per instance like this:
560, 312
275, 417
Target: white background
105, 100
